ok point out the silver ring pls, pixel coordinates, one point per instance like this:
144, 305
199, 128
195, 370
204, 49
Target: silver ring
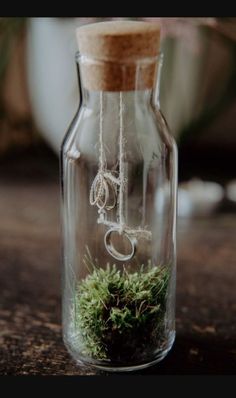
99, 193
99, 189
113, 188
113, 252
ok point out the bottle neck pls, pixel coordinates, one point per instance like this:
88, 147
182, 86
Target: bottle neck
139, 82
132, 101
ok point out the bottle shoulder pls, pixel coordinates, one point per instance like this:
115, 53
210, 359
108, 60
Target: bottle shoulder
145, 132
162, 127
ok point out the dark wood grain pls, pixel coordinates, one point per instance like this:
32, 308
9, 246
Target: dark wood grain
30, 263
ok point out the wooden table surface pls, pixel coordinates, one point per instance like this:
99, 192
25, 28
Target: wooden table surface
30, 263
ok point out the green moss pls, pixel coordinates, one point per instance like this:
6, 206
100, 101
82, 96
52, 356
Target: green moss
119, 315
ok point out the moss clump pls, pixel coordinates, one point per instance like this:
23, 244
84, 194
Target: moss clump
119, 316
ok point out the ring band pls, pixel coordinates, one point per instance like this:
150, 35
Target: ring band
99, 193
113, 252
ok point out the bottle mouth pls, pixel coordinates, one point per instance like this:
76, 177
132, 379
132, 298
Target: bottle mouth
88, 60
128, 74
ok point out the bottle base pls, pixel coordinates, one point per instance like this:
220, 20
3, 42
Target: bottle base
160, 355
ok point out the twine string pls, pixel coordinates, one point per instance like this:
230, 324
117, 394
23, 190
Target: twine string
106, 184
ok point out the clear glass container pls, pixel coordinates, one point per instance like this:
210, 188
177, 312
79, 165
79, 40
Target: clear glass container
119, 193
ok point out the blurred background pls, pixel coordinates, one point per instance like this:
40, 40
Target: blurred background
39, 92
39, 96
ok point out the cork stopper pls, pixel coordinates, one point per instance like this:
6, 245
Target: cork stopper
118, 55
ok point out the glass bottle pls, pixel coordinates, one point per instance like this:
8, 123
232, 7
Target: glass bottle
119, 192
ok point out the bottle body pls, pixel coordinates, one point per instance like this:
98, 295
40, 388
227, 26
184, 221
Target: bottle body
119, 193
